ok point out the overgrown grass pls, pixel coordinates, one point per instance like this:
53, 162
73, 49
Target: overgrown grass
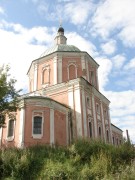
82, 160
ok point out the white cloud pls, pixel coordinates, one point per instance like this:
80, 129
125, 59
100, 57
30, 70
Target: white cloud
19, 46
122, 102
109, 47
2, 11
103, 71
78, 11
126, 123
118, 61
130, 65
81, 43
111, 16
127, 35
122, 109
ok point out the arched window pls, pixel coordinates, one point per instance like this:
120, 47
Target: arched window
92, 77
37, 125
113, 140
46, 74
88, 102
107, 136
98, 108
10, 128
105, 114
90, 129
72, 71
117, 141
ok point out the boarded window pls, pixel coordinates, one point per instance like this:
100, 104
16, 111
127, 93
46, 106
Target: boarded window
45, 76
72, 72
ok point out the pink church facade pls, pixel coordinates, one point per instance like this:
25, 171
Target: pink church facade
64, 102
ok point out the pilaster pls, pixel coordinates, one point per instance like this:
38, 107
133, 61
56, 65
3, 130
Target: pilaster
55, 62
94, 115
52, 126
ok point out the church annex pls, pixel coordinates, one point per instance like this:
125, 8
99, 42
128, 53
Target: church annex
64, 102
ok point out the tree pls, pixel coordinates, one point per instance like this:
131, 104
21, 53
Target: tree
8, 95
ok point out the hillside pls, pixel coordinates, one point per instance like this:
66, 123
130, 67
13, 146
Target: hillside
82, 160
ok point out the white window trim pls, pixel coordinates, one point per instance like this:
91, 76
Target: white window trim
11, 138
37, 136
72, 64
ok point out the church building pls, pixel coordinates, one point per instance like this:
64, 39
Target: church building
64, 102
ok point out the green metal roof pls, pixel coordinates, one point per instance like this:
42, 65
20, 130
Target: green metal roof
60, 47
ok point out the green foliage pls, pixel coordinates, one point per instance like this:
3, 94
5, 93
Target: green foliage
82, 160
8, 95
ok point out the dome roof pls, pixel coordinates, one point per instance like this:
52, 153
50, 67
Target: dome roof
60, 48
61, 29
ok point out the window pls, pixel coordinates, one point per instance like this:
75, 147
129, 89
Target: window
90, 129
113, 140
105, 114
107, 136
92, 78
88, 102
37, 125
117, 141
10, 128
72, 72
46, 74
99, 131
98, 108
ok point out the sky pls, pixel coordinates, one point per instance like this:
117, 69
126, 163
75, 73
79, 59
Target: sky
103, 28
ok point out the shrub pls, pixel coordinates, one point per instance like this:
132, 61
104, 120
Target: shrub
57, 170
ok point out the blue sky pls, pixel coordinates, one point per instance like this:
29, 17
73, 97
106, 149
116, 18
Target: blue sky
103, 28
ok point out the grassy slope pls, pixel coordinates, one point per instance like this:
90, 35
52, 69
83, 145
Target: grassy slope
82, 160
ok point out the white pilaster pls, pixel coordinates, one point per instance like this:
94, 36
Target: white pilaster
97, 79
71, 105
84, 114
94, 116
110, 127
60, 69
35, 77
55, 69
83, 65
87, 70
51, 126
67, 128
21, 128
103, 122
78, 112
